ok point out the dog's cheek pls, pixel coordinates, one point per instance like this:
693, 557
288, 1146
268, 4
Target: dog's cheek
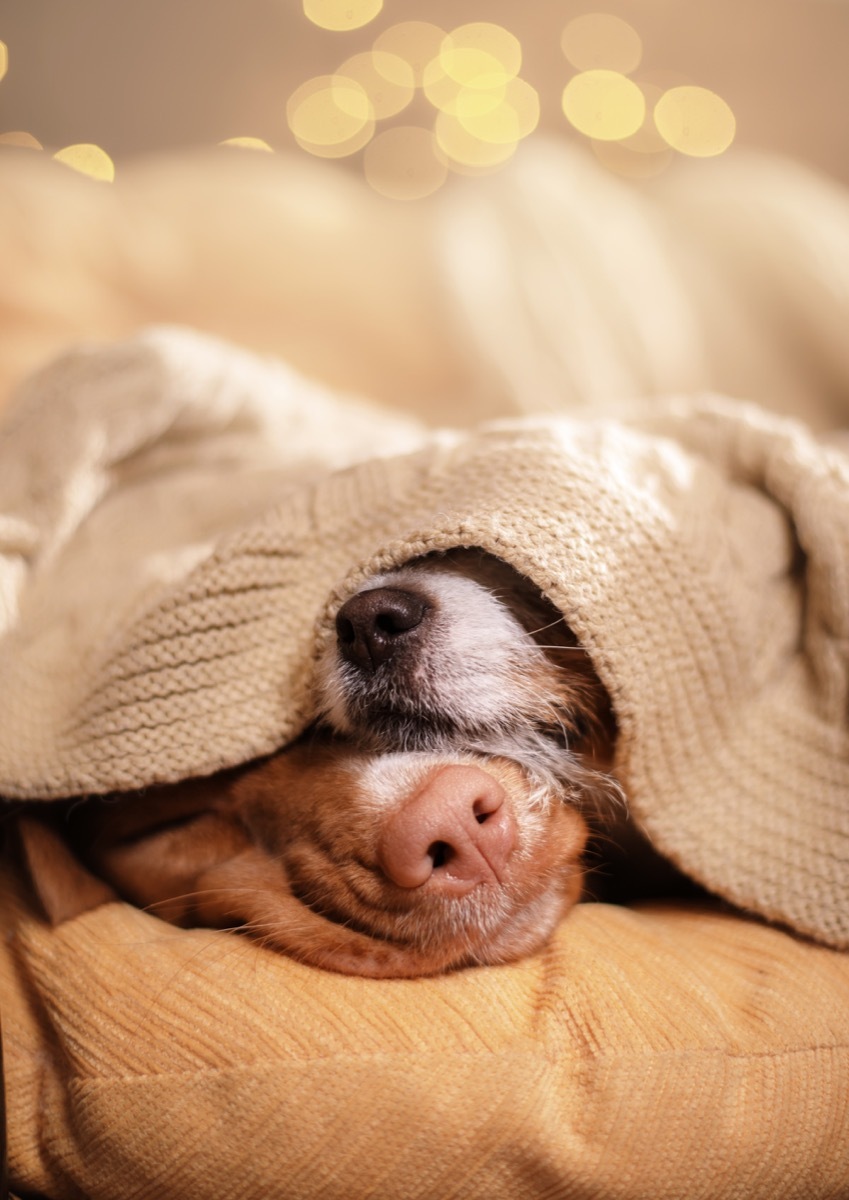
161, 871
252, 891
550, 858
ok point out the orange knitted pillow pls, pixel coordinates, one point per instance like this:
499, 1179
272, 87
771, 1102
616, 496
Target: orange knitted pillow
667, 1052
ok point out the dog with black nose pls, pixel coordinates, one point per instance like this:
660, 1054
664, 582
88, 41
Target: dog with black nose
435, 817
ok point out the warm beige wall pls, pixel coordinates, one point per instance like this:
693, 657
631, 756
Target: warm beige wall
136, 76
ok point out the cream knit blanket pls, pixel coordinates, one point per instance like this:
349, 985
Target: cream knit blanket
179, 520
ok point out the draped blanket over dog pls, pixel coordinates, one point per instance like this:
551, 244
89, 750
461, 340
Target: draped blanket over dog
179, 522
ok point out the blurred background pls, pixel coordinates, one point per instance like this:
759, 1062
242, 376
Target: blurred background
407, 93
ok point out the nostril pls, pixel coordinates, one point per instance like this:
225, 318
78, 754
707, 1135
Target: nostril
487, 804
394, 622
440, 854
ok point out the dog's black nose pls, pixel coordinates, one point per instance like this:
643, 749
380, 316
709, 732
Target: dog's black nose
373, 625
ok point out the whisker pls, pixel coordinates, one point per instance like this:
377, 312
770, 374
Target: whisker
558, 646
561, 620
228, 890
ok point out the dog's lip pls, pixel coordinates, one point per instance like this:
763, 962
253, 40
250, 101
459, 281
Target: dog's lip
403, 726
335, 915
449, 945
358, 947
392, 902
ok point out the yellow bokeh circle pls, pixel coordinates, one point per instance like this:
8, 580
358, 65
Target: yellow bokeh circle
4, 59
404, 163
387, 79
462, 147
416, 42
600, 40
480, 54
443, 92
342, 14
603, 104
331, 116
88, 160
695, 121
511, 118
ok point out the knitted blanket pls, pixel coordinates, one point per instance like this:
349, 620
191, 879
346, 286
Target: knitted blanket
179, 521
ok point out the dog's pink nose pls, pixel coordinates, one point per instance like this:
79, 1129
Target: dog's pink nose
456, 831
372, 625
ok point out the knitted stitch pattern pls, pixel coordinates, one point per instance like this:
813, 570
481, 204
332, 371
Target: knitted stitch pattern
700, 551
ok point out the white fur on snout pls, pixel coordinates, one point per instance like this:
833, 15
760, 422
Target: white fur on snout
474, 665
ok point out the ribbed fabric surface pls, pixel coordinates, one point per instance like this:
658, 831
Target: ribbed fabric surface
646, 1055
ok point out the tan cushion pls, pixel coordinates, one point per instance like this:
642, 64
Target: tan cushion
656, 1053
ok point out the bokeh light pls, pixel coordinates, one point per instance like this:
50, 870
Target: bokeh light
601, 41
471, 75
341, 15
443, 92
416, 42
18, 137
88, 160
603, 104
387, 79
247, 143
695, 121
330, 116
513, 117
481, 55
463, 149
404, 163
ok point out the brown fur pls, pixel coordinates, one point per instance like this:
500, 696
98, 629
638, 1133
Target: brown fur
287, 849
334, 850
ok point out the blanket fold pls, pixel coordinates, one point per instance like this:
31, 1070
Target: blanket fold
176, 547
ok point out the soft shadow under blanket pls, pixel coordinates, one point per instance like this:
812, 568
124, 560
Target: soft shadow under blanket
179, 521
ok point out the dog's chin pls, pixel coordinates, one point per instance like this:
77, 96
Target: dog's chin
432, 942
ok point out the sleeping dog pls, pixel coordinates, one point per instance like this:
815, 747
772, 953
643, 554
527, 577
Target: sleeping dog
436, 816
